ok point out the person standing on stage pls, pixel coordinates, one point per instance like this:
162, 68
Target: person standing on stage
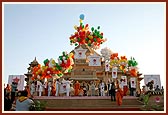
76, 88
119, 94
49, 88
92, 89
102, 88
57, 87
32, 89
68, 88
40, 88
113, 91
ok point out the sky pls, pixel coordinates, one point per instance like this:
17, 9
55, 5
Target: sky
43, 31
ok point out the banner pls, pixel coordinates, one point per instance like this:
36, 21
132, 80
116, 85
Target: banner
125, 80
155, 78
114, 72
133, 82
94, 60
107, 66
80, 53
18, 79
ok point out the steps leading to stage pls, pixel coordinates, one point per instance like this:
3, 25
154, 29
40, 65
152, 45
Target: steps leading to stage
96, 103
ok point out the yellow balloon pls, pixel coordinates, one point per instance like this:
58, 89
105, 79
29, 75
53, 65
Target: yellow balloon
53, 62
75, 27
70, 55
43, 67
80, 21
70, 67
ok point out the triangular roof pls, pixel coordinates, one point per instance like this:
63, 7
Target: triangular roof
89, 50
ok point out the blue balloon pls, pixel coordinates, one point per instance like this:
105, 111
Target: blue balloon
82, 16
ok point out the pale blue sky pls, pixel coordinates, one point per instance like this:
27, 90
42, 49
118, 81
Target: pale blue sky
43, 31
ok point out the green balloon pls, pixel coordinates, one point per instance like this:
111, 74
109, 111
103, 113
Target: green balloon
87, 39
95, 39
66, 57
78, 39
63, 53
46, 61
60, 57
69, 71
98, 27
92, 28
76, 44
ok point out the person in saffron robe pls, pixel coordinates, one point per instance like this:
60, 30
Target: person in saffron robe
125, 88
81, 92
53, 90
28, 91
76, 88
119, 94
8, 88
46, 88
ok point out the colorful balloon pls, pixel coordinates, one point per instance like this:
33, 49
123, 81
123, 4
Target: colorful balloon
82, 16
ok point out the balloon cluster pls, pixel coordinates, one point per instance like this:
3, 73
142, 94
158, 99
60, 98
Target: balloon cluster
82, 35
114, 60
52, 69
66, 62
123, 64
132, 64
106, 53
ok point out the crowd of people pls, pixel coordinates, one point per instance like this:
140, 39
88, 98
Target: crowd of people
64, 87
15, 100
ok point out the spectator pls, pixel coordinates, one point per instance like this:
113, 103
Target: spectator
13, 91
8, 88
157, 88
7, 102
23, 103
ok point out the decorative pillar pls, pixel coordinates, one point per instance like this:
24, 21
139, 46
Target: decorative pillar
29, 73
